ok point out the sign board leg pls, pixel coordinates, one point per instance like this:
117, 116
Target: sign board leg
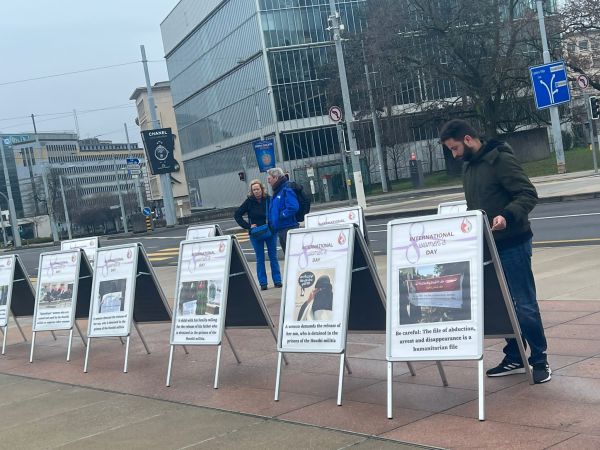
216, 384
122, 341
53, 335
80, 333
278, 376
185, 350
126, 354
141, 337
20, 329
87, 354
442, 373
5, 332
411, 369
70, 343
347, 365
232, 348
341, 379
32, 345
170, 367
272, 329
481, 379
390, 376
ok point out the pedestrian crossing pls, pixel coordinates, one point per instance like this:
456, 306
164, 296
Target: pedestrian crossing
171, 254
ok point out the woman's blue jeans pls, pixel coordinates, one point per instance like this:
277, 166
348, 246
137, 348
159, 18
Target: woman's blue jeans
259, 249
516, 262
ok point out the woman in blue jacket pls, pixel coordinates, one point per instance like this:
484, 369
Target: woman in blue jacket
256, 207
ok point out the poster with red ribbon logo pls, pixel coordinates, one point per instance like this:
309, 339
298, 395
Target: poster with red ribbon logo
435, 287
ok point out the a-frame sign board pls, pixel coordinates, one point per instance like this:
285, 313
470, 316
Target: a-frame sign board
440, 288
331, 287
215, 291
17, 296
202, 231
63, 290
125, 291
338, 216
365, 280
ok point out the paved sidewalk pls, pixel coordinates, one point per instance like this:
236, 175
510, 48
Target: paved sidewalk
42, 415
562, 414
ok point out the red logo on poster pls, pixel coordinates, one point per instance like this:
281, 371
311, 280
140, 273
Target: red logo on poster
221, 247
129, 254
466, 226
341, 238
73, 258
9, 263
351, 215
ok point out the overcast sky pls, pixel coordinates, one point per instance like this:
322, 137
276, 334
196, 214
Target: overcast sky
46, 37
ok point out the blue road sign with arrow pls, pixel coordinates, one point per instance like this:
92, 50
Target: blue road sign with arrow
147, 211
550, 84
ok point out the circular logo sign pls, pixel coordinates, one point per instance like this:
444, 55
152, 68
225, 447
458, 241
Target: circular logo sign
161, 152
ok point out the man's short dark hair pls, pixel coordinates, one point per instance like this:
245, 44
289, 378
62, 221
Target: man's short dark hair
457, 129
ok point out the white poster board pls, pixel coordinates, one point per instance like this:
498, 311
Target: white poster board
7, 266
452, 207
201, 232
89, 246
111, 306
314, 304
56, 294
435, 288
201, 292
339, 216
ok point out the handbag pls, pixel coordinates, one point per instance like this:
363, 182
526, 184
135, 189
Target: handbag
262, 232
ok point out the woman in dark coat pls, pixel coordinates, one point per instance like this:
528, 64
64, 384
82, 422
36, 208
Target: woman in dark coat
255, 207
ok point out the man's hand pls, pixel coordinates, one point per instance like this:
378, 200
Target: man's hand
499, 223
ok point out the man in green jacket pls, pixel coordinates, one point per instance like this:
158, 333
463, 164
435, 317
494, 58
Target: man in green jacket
495, 182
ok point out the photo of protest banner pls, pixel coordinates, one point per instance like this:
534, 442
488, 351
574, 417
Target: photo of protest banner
435, 293
202, 231
56, 290
113, 291
314, 304
435, 288
89, 246
200, 299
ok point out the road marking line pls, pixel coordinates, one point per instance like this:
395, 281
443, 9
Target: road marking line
156, 259
567, 241
565, 217
170, 249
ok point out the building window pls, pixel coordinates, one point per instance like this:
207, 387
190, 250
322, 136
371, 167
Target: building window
571, 48
583, 45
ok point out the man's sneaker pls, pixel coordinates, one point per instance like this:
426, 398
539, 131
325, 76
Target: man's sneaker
506, 368
541, 373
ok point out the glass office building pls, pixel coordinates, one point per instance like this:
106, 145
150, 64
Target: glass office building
245, 69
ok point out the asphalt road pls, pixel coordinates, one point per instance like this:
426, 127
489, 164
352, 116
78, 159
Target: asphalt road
554, 224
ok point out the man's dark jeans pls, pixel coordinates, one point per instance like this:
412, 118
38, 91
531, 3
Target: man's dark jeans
516, 262
283, 237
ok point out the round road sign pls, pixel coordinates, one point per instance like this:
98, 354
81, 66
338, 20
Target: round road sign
583, 81
335, 114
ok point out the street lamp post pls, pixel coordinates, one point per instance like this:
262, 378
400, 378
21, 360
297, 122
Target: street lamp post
2, 220
11, 203
62, 192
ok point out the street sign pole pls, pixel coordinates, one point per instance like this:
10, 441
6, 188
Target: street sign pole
137, 181
588, 110
336, 27
165, 178
554, 116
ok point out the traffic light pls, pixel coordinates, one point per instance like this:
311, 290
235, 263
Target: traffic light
595, 107
242, 176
